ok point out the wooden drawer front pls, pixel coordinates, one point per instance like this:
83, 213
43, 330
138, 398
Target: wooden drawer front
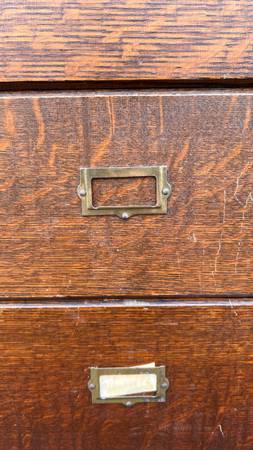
98, 39
203, 245
46, 353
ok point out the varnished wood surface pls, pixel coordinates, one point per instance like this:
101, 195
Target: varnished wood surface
204, 244
124, 191
46, 353
124, 39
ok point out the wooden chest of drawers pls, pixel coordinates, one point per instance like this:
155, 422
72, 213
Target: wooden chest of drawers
164, 87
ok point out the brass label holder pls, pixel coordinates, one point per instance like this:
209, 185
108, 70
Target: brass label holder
159, 395
163, 190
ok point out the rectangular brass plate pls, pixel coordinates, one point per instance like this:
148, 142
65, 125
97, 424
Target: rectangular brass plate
163, 190
128, 400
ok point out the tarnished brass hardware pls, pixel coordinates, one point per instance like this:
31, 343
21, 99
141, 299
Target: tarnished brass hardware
163, 190
159, 395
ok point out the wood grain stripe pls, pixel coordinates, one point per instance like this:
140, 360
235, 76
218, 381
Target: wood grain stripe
122, 40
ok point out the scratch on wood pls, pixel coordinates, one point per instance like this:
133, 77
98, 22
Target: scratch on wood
193, 237
218, 252
217, 256
244, 170
232, 307
221, 430
244, 210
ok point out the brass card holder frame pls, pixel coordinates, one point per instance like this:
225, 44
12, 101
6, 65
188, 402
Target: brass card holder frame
128, 400
163, 190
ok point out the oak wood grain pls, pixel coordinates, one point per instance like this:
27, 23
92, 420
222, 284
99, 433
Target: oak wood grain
202, 246
124, 39
124, 191
46, 353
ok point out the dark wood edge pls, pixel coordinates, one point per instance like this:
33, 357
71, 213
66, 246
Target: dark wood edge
204, 83
128, 298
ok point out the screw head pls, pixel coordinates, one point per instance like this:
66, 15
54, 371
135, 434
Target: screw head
128, 403
92, 386
82, 192
166, 191
165, 385
125, 216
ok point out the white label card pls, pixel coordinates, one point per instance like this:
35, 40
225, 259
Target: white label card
112, 386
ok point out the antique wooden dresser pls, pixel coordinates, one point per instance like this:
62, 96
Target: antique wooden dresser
126, 225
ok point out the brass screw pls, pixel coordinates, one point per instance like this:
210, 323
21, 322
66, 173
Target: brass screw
82, 193
125, 216
166, 191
